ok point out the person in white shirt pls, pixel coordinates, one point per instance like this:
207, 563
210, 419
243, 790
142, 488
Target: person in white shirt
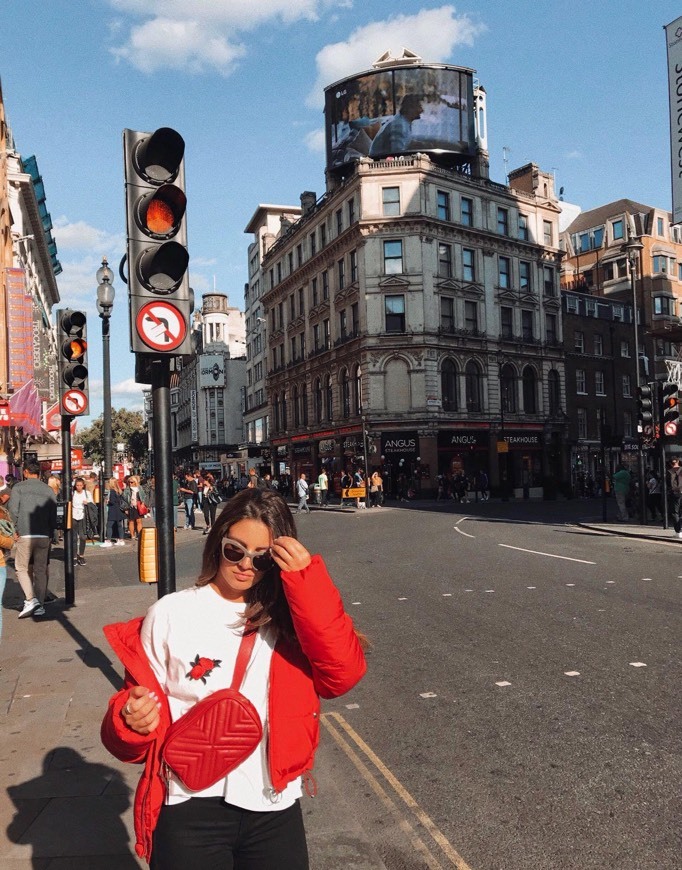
323, 484
79, 499
302, 494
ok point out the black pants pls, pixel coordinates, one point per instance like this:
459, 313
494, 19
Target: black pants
209, 834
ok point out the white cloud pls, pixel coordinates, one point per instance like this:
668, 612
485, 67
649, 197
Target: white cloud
80, 236
201, 36
430, 33
315, 141
575, 154
80, 248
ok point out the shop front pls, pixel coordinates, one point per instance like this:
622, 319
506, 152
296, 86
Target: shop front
463, 451
402, 468
520, 454
302, 460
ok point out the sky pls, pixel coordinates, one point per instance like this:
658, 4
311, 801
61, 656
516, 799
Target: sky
579, 88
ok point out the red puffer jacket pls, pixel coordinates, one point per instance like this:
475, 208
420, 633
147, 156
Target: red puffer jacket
328, 663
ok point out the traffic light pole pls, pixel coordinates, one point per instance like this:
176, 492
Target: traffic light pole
69, 576
163, 473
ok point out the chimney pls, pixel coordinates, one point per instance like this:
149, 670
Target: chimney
308, 200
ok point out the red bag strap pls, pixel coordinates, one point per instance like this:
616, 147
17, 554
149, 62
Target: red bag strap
243, 656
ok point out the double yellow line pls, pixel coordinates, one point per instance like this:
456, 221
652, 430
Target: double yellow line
335, 724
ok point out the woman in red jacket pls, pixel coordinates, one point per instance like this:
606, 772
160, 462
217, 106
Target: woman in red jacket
256, 579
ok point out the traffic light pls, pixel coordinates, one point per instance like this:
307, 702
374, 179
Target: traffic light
670, 409
72, 348
645, 408
159, 296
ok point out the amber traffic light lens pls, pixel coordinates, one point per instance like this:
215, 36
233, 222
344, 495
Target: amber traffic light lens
160, 217
75, 349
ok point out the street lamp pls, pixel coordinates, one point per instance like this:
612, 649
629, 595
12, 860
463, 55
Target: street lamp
105, 304
504, 458
633, 248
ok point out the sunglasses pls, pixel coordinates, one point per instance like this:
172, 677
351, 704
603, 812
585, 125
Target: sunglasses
234, 552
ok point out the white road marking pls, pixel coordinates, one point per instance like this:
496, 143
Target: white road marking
468, 590
402, 599
531, 587
570, 584
503, 683
646, 579
352, 706
551, 555
447, 594
357, 602
571, 673
428, 695
489, 590
466, 534
611, 582
637, 664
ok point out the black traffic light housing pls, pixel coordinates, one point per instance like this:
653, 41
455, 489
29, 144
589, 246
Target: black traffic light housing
670, 409
72, 353
160, 300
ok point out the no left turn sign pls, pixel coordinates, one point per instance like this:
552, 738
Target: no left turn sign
161, 326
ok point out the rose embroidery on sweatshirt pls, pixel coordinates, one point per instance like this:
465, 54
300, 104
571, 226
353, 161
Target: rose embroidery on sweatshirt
202, 668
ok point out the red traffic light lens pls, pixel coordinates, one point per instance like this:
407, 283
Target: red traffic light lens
74, 349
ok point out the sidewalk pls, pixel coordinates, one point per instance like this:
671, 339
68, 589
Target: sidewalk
67, 804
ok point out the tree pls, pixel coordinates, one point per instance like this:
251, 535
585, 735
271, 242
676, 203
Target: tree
127, 427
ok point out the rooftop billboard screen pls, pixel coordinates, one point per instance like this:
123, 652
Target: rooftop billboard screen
400, 111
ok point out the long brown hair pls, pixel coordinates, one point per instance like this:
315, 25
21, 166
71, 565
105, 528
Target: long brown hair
265, 602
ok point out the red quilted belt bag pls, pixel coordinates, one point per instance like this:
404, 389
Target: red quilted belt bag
217, 734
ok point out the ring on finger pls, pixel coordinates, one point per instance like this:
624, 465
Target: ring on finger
127, 711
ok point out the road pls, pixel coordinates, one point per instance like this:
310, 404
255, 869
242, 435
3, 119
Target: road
521, 709
522, 689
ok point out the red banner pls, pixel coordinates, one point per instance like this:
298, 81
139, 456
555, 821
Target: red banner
20, 333
53, 419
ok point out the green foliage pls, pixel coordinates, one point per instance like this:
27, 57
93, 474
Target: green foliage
127, 427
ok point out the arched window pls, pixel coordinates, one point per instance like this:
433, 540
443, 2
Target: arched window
530, 405
318, 401
472, 375
329, 397
554, 392
508, 388
345, 393
304, 404
294, 401
358, 390
284, 411
448, 385
275, 412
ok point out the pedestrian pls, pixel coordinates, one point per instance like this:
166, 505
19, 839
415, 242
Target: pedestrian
359, 483
210, 500
483, 485
198, 494
675, 501
151, 495
80, 499
375, 489
188, 492
33, 509
115, 516
55, 484
302, 494
323, 487
621, 488
131, 497
260, 586
653, 498
7, 536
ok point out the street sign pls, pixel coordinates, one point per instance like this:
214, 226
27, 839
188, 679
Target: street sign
74, 402
670, 428
161, 326
503, 447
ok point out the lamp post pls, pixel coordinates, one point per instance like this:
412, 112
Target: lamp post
105, 304
504, 463
632, 249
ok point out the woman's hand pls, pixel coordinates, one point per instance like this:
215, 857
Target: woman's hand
141, 710
290, 554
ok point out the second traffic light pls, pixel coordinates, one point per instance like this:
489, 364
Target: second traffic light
670, 409
645, 408
72, 344
160, 299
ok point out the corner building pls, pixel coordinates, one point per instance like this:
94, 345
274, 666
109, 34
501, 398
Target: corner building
414, 322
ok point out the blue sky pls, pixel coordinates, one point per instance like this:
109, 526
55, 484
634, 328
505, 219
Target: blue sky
578, 88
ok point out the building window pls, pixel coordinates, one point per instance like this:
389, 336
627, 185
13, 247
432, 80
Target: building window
617, 229
580, 381
664, 305
343, 324
553, 392
325, 285
468, 265
285, 422
329, 398
503, 276
280, 315
316, 336
659, 226
345, 393
524, 276
351, 211
523, 227
292, 308
301, 301
444, 260
547, 234
394, 308
550, 328
297, 407
290, 259
627, 423
393, 257
353, 266
508, 388
506, 322
327, 334
448, 385
503, 221
581, 417
598, 345
318, 401
527, 330
472, 380
625, 349
339, 222
529, 391
341, 273
390, 197
443, 203
627, 388
447, 314
355, 318
599, 384
313, 244
304, 403
548, 281
471, 316
660, 264
467, 211
323, 236
299, 255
